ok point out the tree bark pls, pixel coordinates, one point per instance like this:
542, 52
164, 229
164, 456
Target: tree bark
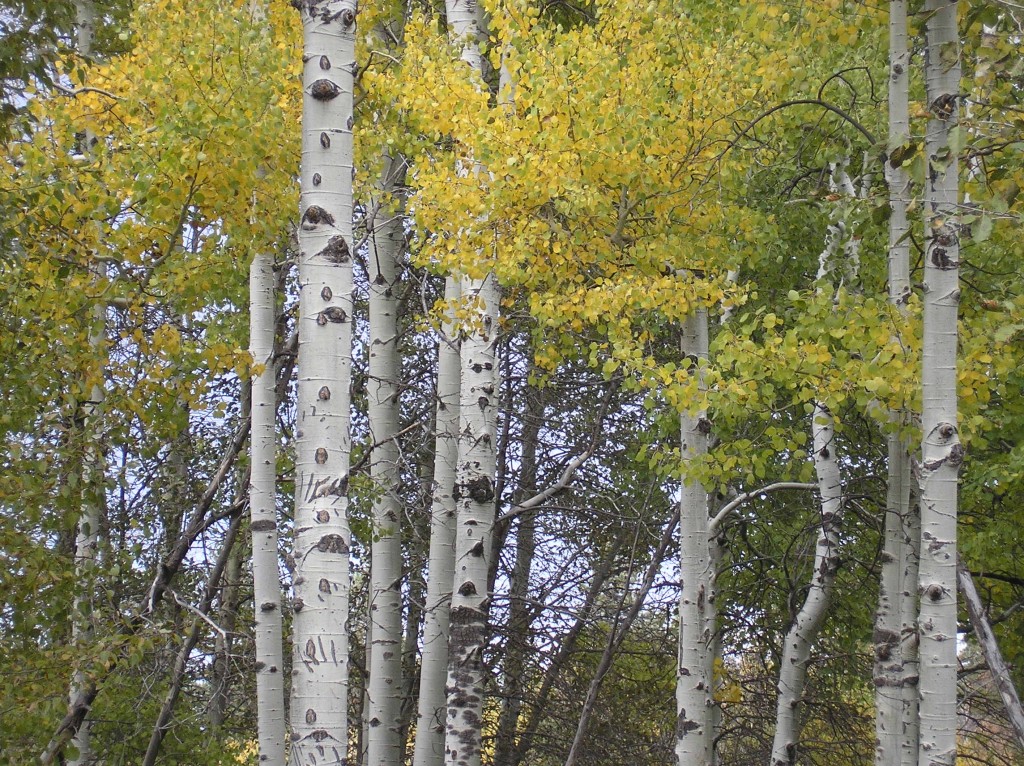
891, 644
694, 671
270, 713
796, 651
431, 709
93, 471
319, 708
942, 453
384, 692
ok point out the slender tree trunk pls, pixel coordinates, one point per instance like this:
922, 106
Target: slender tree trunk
224, 644
93, 491
694, 672
942, 453
615, 639
889, 638
474, 485
430, 719
319, 709
796, 648
909, 731
263, 509
384, 746
990, 648
179, 670
474, 490
518, 631
796, 652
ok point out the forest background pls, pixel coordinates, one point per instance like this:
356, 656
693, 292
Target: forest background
612, 178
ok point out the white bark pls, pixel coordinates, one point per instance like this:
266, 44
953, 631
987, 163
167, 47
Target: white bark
890, 676
910, 728
319, 707
263, 509
474, 488
475, 468
93, 499
796, 652
942, 453
694, 672
796, 649
384, 693
430, 721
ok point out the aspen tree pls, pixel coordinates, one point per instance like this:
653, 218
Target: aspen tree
695, 672
895, 688
93, 499
263, 508
941, 451
432, 703
319, 706
384, 693
839, 257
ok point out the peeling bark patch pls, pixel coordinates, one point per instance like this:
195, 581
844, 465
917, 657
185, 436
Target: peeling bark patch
336, 251
263, 525
316, 215
323, 89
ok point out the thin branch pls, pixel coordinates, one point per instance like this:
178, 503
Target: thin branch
728, 508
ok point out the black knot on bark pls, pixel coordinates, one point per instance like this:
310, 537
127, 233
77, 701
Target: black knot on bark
332, 314
480, 489
324, 89
943, 106
336, 251
348, 17
316, 215
467, 589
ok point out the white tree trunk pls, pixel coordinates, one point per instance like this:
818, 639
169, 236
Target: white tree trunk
840, 257
694, 673
890, 696
908, 629
263, 509
475, 467
796, 651
93, 492
431, 715
384, 693
942, 453
474, 496
319, 707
